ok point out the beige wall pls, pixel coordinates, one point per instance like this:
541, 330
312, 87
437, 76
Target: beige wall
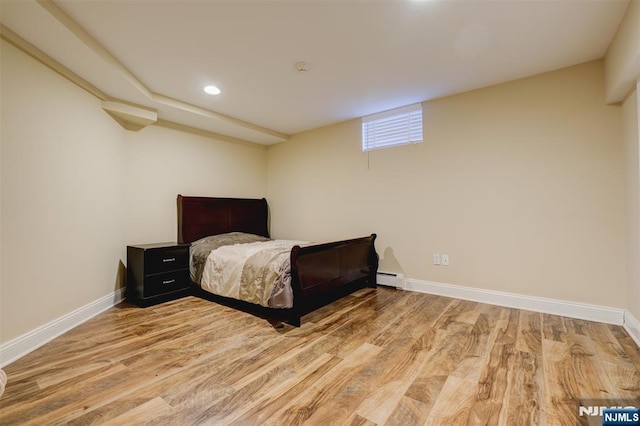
162, 163
622, 65
521, 184
76, 188
1, 238
62, 180
622, 61
631, 123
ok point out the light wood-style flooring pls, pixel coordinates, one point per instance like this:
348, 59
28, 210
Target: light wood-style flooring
379, 356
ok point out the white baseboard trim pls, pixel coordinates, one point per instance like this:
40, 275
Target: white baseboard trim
632, 325
22, 345
578, 310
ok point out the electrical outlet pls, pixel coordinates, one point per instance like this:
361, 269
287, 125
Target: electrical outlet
436, 259
445, 260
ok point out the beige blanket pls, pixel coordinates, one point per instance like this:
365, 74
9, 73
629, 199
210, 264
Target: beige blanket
258, 272
200, 250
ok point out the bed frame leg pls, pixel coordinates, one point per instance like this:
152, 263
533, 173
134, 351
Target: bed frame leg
373, 263
294, 320
372, 280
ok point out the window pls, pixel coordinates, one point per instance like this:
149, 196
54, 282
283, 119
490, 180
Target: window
400, 126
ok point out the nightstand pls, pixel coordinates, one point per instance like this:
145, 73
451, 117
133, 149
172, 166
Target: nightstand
157, 273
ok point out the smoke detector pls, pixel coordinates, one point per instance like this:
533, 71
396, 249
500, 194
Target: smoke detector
301, 66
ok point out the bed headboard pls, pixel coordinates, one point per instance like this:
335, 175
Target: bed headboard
200, 217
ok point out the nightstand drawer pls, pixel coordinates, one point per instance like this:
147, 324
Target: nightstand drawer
166, 283
166, 259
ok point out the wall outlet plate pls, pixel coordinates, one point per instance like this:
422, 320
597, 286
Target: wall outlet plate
436, 259
445, 259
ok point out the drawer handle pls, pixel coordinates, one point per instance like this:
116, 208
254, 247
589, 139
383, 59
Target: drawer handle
173, 259
169, 281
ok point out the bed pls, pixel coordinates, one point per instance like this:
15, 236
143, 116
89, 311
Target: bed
319, 273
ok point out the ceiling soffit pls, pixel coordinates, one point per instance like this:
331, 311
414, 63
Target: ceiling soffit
135, 117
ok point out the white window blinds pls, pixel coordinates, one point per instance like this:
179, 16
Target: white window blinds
399, 126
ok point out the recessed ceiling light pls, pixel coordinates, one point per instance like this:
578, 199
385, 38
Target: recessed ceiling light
212, 90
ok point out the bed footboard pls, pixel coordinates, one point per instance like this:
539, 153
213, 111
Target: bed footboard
320, 270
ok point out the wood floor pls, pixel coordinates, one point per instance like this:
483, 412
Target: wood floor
375, 357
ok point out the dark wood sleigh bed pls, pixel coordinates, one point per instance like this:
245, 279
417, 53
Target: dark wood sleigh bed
320, 273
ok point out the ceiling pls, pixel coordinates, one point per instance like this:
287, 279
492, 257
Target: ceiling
363, 56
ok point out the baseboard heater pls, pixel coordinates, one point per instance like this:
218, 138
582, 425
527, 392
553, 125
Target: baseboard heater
391, 279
